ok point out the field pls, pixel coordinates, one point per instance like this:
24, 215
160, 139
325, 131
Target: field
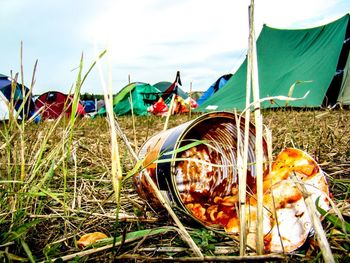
56, 186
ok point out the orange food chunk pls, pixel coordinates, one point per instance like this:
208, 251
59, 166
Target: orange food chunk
199, 211
90, 238
230, 200
212, 210
232, 225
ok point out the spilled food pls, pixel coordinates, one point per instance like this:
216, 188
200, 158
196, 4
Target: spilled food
286, 222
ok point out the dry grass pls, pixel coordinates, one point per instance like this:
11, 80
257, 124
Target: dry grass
40, 220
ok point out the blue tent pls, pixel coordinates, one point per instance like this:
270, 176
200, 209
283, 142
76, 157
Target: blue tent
89, 106
220, 82
18, 97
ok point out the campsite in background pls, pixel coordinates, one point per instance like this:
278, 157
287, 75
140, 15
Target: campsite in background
253, 168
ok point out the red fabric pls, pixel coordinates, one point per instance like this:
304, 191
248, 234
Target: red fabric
159, 108
61, 104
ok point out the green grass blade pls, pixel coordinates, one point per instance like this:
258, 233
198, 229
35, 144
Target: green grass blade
22, 229
28, 251
336, 221
12, 257
138, 167
92, 66
186, 147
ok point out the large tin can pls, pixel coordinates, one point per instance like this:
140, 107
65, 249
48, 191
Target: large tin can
194, 177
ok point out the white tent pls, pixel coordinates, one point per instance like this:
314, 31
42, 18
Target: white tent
4, 109
344, 94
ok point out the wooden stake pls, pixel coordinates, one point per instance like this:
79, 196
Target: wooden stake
259, 134
133, 121
243, 173
170, 112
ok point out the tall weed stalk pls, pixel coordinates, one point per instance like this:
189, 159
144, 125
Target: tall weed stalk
34, 170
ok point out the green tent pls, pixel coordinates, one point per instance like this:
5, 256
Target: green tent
162, 85
140, 94
307, 57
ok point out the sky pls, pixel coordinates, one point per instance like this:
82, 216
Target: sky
146, 40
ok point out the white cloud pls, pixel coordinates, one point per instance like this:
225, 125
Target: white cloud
297, 13
183, 33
